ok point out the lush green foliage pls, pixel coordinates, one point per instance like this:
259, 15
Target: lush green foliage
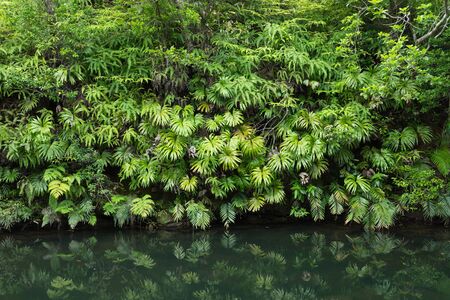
199, 110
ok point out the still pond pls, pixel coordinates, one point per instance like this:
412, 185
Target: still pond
266, 262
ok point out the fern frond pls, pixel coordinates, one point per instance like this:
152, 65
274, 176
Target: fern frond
337, 199
57, 188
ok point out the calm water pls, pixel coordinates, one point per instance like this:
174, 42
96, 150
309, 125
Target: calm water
294, 262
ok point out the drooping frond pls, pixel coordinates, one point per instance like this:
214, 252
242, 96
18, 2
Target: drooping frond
275, 192
383, 213
198, 215
143, 207
357, 209
227, 214
441, 159
337, 199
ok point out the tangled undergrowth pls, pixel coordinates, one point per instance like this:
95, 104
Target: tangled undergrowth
163, 111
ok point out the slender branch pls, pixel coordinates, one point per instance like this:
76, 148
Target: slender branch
438, 27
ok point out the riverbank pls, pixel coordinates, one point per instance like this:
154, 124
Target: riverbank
410, 222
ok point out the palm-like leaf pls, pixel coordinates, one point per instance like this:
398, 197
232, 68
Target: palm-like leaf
213, 125
205, 165
261, 176
307, 120
343, 156
424, 133
382, 159
253, 146
229, 158
52, 151
217, 187
280, 162
143, 207
159, 115
354, 183
294, 145
147, 172
171, 147
9, 175
123, 154
255, 203
228, 184
32, 187
318, 168
43, 125
233, 118
107, 134
404, 140
54, 172
183, 127
69, 119
189, 184
130, 135
211, 146
129, 169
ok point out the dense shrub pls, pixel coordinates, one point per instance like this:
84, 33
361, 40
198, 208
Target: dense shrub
228, 107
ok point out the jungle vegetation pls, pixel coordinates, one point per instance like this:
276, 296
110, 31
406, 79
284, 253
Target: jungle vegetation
151, 112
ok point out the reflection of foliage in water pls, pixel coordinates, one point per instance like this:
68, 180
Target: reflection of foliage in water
228, 266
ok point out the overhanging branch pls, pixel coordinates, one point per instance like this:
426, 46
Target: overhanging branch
438, 28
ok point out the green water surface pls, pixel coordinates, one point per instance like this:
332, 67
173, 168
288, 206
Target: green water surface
266, 262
